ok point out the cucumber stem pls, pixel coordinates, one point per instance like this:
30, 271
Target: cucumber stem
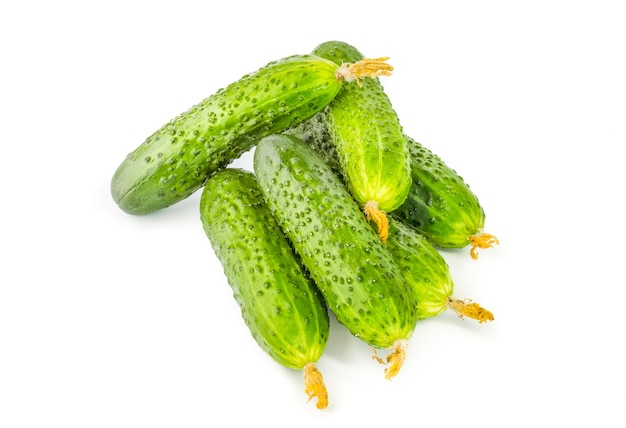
314, 385
367, 67
467, 308
395, 358
481, 240
373, 213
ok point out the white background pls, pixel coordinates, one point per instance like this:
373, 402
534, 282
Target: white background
111, 320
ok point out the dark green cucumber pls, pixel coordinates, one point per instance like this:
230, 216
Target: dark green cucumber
342, 252
280, 304
441, 206
368, 138
176, 160
428, 274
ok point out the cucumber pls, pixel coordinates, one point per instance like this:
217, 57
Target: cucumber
369, 140
280, 304
342, 252
176, 160
428, 274
441, 206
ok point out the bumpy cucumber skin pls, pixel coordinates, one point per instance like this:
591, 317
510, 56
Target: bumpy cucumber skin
338, 52
280, 304
440, 205
368, 136
177, 159
314, 132
423, 267
343, 254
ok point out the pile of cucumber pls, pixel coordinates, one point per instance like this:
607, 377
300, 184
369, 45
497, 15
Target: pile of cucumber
343, 212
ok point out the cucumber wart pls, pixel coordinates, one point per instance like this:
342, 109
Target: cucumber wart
280, 304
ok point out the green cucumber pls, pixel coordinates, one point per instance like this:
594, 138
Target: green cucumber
342, 252
368, 138
176, 160
441, 206
279, 302
428, 274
